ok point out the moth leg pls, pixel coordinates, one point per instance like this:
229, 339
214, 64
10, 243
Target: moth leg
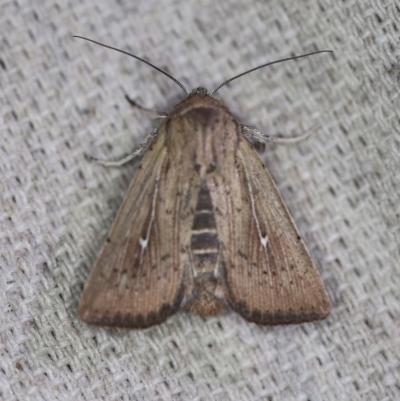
254, 136
153, 114
148, 141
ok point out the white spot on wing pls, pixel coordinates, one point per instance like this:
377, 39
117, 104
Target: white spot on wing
264, 241
143, 242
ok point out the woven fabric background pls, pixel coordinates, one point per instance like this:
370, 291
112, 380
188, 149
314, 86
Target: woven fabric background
63, 97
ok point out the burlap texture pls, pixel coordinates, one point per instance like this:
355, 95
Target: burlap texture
62, 97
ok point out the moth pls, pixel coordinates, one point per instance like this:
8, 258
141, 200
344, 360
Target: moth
202, 228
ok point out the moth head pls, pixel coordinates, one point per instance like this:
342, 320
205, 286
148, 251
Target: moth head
199, 91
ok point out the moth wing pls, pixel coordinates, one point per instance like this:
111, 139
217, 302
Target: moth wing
138, 278
270, 277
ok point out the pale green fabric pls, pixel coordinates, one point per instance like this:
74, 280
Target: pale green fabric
62, 97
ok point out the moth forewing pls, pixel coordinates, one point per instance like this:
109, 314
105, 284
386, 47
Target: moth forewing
270, 277
138, 278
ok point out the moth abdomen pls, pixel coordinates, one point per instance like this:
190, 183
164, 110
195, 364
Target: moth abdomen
204, 241
204, 300
204, 236
204, 249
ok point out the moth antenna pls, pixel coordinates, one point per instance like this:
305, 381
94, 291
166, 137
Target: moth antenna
137, 58
265, 65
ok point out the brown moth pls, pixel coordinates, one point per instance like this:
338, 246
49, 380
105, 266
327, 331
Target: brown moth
203, 228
